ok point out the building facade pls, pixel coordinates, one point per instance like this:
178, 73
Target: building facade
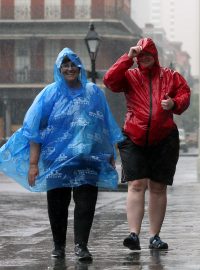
32, 33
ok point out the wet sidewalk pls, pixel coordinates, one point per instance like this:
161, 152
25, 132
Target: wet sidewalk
26, 242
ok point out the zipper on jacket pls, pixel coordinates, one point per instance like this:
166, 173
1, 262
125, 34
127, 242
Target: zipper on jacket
150, 108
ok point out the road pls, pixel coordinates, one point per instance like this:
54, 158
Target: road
26, 243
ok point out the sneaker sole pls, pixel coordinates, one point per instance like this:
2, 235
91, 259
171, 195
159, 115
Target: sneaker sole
130, 245
164, 246
85, 259
58, 256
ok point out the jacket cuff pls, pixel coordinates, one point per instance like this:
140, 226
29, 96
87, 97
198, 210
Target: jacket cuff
128, 58
174, 107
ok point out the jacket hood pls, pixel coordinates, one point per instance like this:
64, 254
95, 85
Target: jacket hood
67, 52
149, 46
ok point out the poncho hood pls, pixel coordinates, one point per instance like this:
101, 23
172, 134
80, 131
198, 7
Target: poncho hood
67, 52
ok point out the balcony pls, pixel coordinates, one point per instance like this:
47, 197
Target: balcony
22, 76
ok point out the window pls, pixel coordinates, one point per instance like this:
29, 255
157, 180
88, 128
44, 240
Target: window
110, 9
22, 61
82, 52
51, 50
22, 9
82, 9
52, 9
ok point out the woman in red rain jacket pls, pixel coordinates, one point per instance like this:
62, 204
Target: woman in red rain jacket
150, 151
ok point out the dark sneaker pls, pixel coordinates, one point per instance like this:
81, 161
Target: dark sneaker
58, 252
132, 242
157, 243
82, 252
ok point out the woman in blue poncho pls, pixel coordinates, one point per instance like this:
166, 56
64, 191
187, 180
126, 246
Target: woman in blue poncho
66, 144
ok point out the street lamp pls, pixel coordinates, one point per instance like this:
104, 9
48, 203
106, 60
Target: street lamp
92, 41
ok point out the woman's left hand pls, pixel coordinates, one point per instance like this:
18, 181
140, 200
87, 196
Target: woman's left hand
32, 174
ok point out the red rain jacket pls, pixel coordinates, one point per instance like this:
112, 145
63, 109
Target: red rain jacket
146, 123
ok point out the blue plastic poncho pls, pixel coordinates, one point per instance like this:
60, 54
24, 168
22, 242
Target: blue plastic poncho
76, 131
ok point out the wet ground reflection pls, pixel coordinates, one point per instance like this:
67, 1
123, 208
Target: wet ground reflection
133, 258
152, 260
61, 264
156, 259
58, 264
26, 239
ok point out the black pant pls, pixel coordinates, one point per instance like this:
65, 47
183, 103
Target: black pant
85, 198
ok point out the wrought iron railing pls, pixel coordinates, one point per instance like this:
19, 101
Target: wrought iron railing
22, 76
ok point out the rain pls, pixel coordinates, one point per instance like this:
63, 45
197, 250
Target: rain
32, 33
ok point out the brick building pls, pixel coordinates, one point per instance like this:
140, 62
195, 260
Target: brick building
32, 32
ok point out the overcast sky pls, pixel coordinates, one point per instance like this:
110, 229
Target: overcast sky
187, 30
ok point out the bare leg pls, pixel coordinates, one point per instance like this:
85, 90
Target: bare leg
157, 206
135, 204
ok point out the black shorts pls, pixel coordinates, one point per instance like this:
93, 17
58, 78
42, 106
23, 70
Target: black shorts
157, 162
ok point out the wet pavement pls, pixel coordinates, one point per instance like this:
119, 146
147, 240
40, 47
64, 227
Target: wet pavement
26, 242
